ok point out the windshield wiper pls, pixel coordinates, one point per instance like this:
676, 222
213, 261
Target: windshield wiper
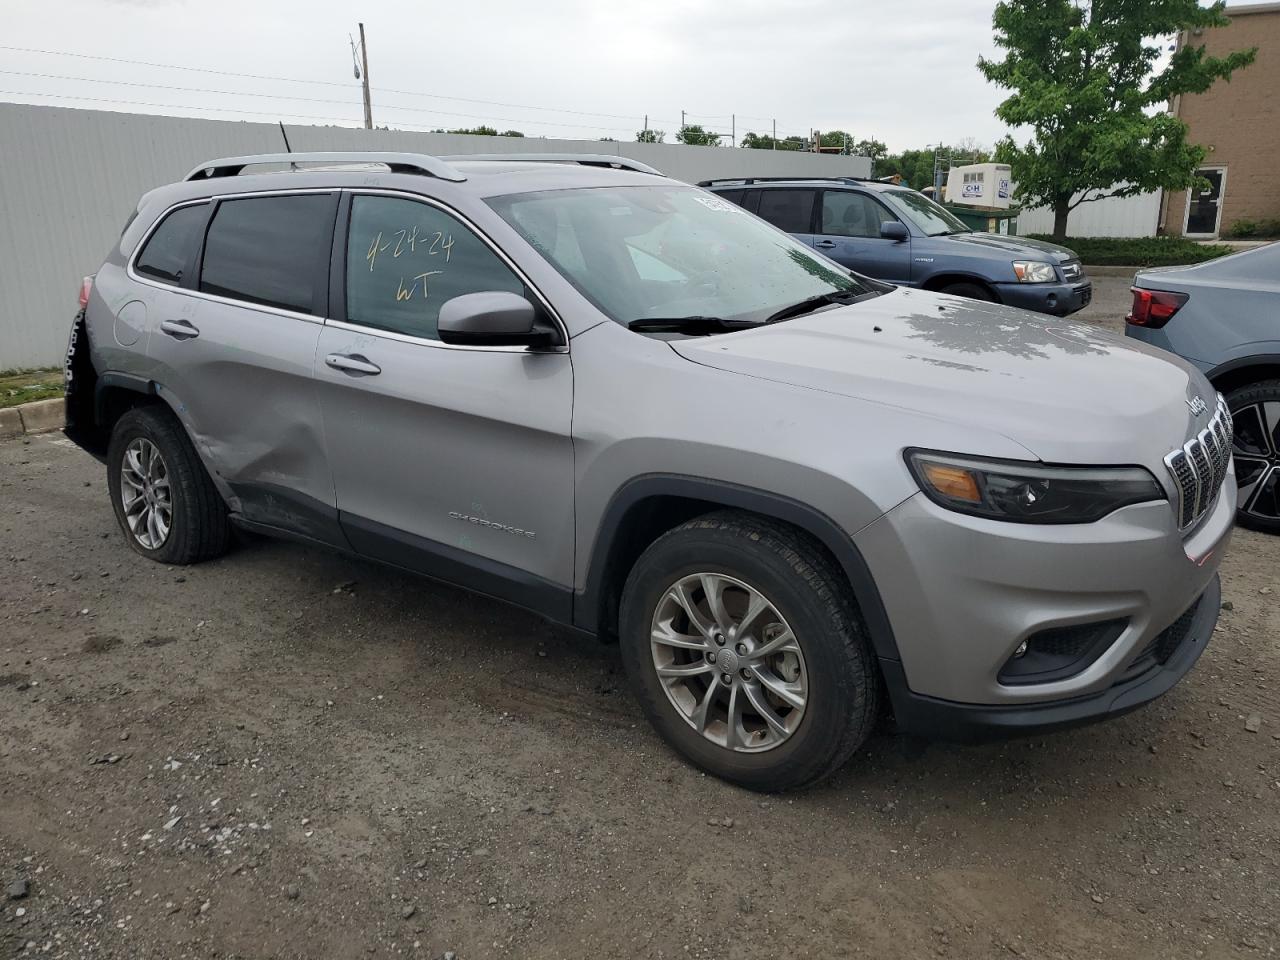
694, 325
809, 304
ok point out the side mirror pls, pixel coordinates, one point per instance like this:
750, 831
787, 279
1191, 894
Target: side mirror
491, 319
894, 230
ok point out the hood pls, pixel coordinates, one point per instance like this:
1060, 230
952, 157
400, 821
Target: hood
1067, 392
1012, 245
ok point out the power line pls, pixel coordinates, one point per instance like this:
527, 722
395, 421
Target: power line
170, 106
302, 99
173, 66
330, 83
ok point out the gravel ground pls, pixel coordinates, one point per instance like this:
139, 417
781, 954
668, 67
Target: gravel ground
286, 753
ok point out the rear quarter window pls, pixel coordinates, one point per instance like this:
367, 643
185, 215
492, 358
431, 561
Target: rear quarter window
171, 248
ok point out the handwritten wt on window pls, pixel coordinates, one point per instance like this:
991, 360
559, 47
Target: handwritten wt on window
407, 242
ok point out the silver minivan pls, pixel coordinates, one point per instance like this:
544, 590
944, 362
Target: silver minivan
792, 494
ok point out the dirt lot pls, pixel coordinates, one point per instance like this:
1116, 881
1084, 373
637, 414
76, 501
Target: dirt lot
290, 754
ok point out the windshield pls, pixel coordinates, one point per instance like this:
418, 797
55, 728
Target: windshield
931, 218
672, 251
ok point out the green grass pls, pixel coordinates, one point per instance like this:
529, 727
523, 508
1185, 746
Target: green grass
23, 386
1139, 251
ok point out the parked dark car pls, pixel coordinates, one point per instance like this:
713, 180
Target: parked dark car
1224, 317
897, 234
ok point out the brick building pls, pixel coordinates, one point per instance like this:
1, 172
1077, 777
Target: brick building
1239, 124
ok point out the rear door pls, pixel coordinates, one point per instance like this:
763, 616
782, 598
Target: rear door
453, 461
233, 343
849, 233
789, 209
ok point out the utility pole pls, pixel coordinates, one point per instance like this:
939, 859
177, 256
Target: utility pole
645, 134
733, 127
775, 134
682, 124
364, 63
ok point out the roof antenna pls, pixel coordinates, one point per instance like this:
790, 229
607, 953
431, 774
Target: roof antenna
287, 149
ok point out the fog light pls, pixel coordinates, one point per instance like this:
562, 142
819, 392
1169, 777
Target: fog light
1022, 649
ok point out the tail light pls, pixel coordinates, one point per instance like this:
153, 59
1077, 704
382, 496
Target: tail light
1153, 308
86, 285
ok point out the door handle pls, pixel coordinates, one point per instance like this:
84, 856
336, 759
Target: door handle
179, 329
352, 363
824, 244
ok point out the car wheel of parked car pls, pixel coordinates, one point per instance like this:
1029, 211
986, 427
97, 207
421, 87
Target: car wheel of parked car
164, 500
974, 291
1255, 410
747, 653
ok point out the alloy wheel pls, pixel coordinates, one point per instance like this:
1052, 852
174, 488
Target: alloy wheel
729, 663
1255, 448
145, 493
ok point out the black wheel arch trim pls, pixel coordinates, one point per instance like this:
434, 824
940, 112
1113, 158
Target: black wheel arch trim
122, 381
718, 494
1242, 363
945, 278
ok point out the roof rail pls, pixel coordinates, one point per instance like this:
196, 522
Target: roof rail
585, 159
418, 163
747, 181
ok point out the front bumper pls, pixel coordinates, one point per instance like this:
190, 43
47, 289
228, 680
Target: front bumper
1058, 299
974, 723
962, 593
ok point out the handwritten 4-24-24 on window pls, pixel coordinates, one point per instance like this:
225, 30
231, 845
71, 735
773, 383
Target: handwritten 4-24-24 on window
407, 242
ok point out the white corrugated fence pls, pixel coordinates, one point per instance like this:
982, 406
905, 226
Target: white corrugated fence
70, 178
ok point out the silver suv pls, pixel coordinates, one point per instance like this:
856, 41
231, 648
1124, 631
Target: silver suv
632, 407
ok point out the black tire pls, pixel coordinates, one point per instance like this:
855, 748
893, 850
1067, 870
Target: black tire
974, 291
199, 529
807, 589
1259, 507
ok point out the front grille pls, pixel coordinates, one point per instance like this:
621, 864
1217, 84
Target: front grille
1200, 466
1071, 270
1165, 643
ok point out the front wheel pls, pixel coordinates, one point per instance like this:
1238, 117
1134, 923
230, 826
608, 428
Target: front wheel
746, 652
1255, 448
973, 291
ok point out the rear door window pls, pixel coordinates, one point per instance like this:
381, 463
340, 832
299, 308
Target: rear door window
172, 247
272, 251
789, 210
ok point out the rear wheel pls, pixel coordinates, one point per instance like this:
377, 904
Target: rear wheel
974, 291
164, 501
746, 652
1255, 448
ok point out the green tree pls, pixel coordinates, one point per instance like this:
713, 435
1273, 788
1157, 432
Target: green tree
763, 141
484, 131
651, 136
1083, 78
693, 134
870, 147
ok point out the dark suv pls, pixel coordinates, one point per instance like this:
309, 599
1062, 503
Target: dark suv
896, 234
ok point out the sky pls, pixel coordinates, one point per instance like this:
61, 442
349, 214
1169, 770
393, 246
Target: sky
902, 71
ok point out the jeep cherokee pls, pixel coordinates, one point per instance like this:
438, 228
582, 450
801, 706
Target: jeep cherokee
622, 402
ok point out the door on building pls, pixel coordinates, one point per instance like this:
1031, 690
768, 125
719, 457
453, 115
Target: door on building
1204, 206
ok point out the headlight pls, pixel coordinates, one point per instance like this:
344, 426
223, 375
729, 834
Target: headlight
1034, 271
1029, 492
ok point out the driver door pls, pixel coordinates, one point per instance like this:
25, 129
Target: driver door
849, 233
453, 461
